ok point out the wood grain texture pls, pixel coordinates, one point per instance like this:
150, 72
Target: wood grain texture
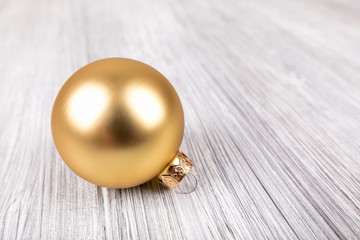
271, 94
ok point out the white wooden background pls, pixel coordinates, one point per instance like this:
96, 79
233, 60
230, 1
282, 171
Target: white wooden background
271, 93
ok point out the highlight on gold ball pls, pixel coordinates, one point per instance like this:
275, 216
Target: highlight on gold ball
119, 123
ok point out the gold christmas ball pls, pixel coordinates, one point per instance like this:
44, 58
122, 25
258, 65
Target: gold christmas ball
118, 123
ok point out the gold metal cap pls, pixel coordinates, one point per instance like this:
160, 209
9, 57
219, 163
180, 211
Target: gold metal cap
176, 171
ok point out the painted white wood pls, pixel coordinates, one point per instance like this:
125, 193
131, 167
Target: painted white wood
271, 94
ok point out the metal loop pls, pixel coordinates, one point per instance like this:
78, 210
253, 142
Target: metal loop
187, 179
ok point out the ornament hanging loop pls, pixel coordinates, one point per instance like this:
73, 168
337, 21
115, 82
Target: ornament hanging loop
190, 184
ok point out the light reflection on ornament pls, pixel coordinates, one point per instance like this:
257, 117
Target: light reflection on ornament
87, 105
146, 106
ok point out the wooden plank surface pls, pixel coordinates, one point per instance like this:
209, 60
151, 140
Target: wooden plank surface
271, 94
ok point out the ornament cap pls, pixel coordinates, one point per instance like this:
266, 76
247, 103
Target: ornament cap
176, 170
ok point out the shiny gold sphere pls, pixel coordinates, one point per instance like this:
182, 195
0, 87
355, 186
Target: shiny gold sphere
117, 122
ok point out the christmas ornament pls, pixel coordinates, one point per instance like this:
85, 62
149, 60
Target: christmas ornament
119, 123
